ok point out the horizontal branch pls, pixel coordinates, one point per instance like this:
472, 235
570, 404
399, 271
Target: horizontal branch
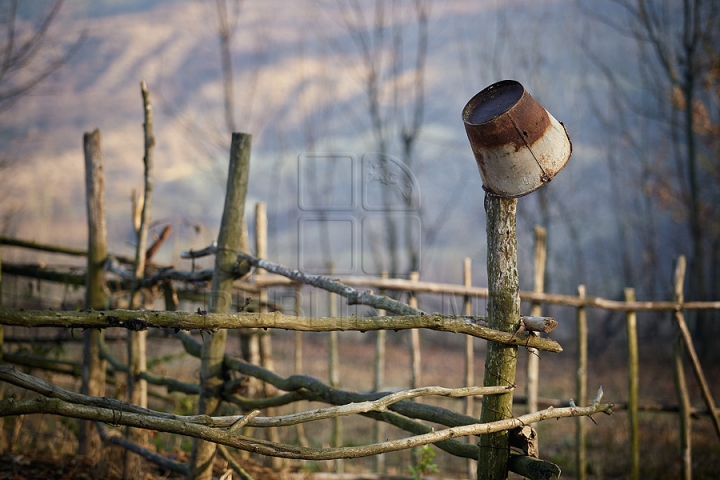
392, 284
141, 320
164, 273
35, 384
403, 285
233, 439
353, 296
76, 252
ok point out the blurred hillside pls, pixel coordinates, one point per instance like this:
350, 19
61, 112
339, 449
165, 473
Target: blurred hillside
299, 88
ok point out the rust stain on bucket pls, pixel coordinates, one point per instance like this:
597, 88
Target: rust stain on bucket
517, 144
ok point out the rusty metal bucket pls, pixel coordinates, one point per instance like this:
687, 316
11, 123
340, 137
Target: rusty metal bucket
518, 145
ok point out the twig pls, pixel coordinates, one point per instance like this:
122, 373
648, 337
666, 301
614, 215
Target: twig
200, 253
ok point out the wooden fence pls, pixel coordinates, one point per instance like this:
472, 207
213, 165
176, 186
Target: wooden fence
222, 376
260, 283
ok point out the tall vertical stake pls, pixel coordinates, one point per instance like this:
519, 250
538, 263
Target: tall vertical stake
469, 357
379, 382
581, 452
533, 364
504, 315
633, 386
93, 372
681, 389
228, 244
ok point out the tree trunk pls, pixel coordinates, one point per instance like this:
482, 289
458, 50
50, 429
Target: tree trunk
228, 243
503, 314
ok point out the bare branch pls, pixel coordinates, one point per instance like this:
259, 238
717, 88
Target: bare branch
141, 320
224, 437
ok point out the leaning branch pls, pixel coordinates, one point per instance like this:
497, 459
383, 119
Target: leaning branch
140, 320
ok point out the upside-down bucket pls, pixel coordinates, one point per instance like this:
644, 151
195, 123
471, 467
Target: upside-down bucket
518, 145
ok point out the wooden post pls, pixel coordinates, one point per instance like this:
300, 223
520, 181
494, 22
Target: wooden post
379, 382
684, 332
681, 389
299, 361
264, 339
469, 358
137, 341
3, 440
213, 348
334, 373
633, 387
503, 314
415, 355
93, 372
581, 390
533, 364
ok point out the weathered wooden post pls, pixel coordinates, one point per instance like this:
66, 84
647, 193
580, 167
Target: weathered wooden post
581, 387
533, 364
633, 386
519, 147
93, 373
228, 244
137, 341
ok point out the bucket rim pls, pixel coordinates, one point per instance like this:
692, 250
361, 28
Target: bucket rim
469, 107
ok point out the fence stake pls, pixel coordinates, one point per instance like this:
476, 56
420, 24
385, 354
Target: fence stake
680, 381
379, 381
415, 356
93, 378
533, 364
137, 341
581, 392
697, 368
633, 387
299, 360
213, 348
503, 314
334, 372
263, 340
469, 358
3, 441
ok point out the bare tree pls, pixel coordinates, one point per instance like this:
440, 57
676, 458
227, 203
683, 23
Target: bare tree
27, 54
391, 41
227, 25
676, 46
